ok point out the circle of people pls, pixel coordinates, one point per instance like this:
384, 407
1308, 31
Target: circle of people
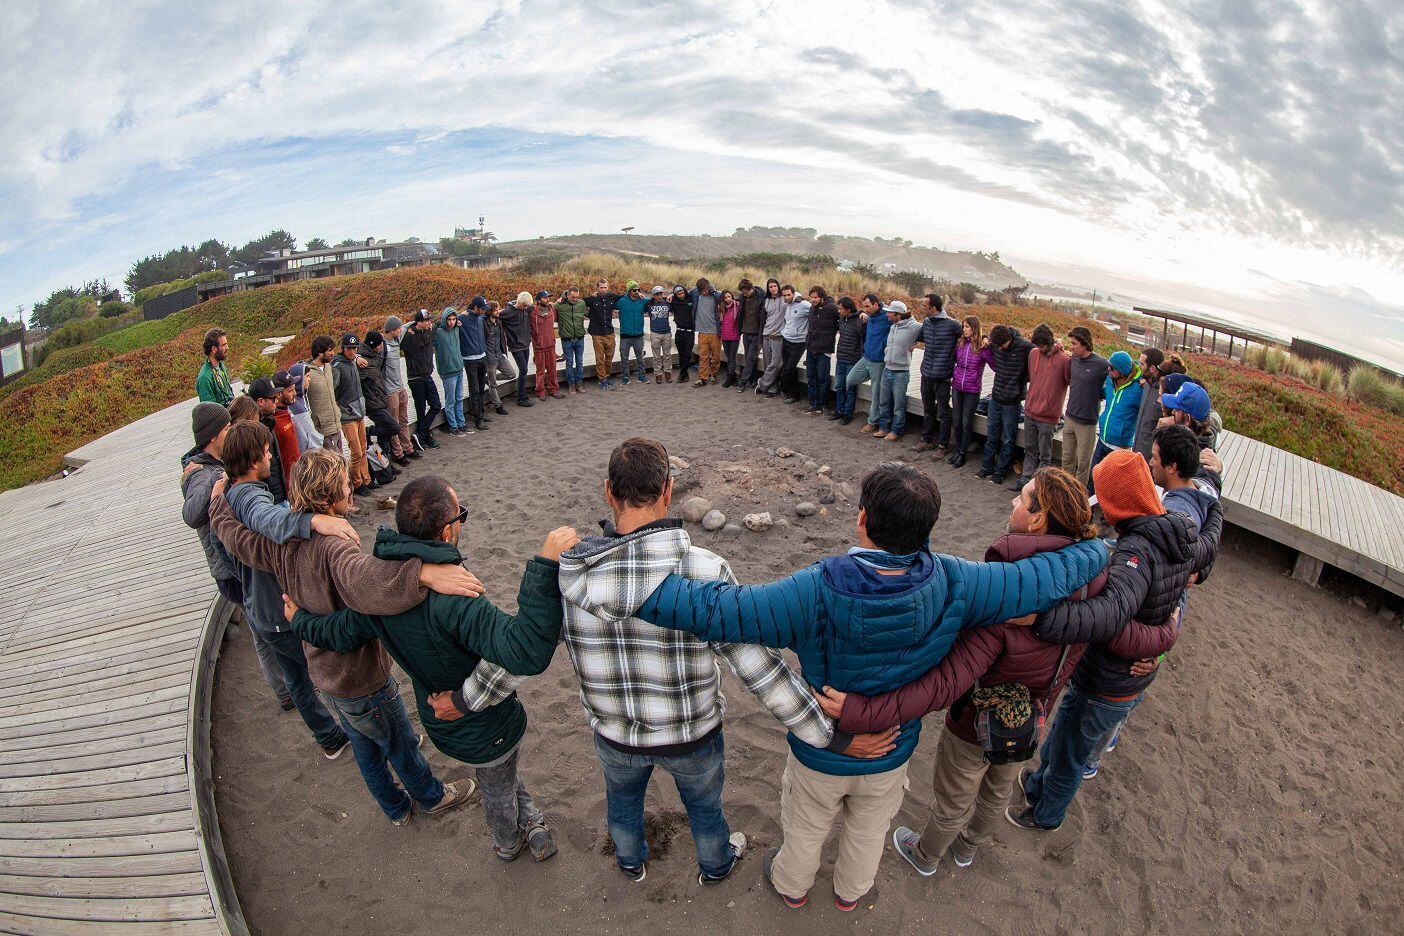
886, 633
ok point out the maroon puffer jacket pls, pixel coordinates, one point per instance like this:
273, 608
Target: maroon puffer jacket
1001, 653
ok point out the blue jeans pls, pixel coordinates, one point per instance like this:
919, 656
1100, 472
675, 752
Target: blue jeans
287, 646
1001, 428
867, 370
699, 777
574, 350
1082, 722
1095, 760
844, 395
380, 732
892, 408
816, 369
453, 400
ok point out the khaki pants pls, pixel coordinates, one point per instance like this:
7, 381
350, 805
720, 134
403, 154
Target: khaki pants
662, 345
355, 434
810, 802
1079, 442
604, 354
399, 411
708, 358
968, 798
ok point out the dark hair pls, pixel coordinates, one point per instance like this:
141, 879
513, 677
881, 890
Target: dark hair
1042, 335
242, 408
1062, 500
1000, 335
936, 301
1179, 450
1174, 364
703, 283
322, 344
638, 471
425, 507
244, 447
975, 333
789, 287
903, 503
768, 282
1154, 356
873, 298
819, 291
745, 284
847, 302
1081, 335
212, 339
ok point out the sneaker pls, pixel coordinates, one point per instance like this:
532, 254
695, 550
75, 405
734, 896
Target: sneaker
924, 446
430, 443
962, 854
941, 452
455, 794
414, 454
539, 840
332, 753
286, 705
402, 461
700, 382
737, 844
386, 503
768, 862
998, 478
892, 437
958, 460
983, 473
623, 381
847, 418
635, 874
905, 841
500, 410
847, 906
509, 854
1024, 819
1111, 745
791, 399
403, 821
835, 416
1090, 771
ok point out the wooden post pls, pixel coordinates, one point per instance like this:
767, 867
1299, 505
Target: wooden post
1165, 336
1307, 569
1184, 339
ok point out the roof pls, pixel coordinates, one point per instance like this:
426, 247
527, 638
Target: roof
1212, 323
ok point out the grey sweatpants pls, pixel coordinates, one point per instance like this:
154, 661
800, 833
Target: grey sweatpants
772, 350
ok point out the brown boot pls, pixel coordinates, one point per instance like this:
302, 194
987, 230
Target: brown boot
667, 376
657, 378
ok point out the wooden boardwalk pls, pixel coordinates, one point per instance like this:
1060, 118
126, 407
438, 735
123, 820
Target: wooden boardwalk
107, 634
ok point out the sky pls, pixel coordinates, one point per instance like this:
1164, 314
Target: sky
1244, 159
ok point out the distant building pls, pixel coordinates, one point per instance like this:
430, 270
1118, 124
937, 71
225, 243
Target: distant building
12, 358
289, 266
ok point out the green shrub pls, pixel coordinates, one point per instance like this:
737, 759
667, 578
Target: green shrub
260, 365
1327, 376
1394, 397
114, 309
1365, 385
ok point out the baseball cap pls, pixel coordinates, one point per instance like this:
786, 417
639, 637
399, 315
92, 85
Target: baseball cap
262, 389
478, 302
422, 315
1191, 399
657, 291
374, 339
349, 340
544, 294
898, 306
283, 380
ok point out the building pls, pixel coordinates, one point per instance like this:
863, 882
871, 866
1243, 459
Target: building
12, 356
289, 266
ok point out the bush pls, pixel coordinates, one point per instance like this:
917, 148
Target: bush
542, 264
260, 365
1394, 397
1274, 360
1365, 385
114, 309
1327, 376
1300, 368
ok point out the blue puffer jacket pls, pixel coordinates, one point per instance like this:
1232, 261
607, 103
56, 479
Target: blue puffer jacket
860, 631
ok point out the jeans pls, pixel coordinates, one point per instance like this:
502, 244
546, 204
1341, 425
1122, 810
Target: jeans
844, 396
1038, 445
684, 338
631, 344
1095, 760
381, 734
699, 777
963, 406
453, 400
773, 350
936, 410
1083, 721
288, 648
520, 358
661, 344
790, 356
574, 351
507, 806
892, 392
750, 354
868, 370
426, 405
268, 663
816, 369
476, 376
1001, 426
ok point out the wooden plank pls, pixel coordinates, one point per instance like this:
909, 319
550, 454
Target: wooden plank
111, 910
188, 884
99, 809
109, 684
114, 846
130, 757
22, 736
92, 778
43, 926
19, 763
78, 710
77, 667
177, 821
175, 862
111, 694
149, 721
147, 786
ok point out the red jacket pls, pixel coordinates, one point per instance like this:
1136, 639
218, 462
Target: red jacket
543, 328
1049, 376
288, 452
1001, 653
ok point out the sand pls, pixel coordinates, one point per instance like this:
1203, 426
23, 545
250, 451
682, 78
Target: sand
1256, 788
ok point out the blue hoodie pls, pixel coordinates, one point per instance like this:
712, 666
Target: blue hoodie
860, 631
252, 504
631, 316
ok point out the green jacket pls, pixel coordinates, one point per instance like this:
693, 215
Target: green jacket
570, 318
212, 386
439, 642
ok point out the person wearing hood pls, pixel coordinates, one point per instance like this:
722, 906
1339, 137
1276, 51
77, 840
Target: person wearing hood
1121, 403
1157, 554
543, 347
1010, 363
418, 346
320, 383
851, 330
402, 445
819, 347
308, 437
684, 331
752, 323
267, 397
443, 639
571, 313
868, 621
706, 305
1050, 372
1148, 413
772, 342
384, 426
351, 402
516, 332
902, 336
729, 331
600, 312
631, 332
201, 470
472, 343
795, 338
940, 334
448, 358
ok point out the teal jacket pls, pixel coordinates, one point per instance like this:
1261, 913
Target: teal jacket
448, 355
861, 631
1120, 407
439, 643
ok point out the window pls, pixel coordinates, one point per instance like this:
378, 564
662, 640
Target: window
12, 359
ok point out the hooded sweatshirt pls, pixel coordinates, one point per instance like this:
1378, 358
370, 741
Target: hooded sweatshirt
543, 328
350, 400
752, 311
646, 689
901, 337
1049, 373
471, 343
373, 379
631, 315
418, 346
447, 351
195, 487
796, 321
516, 327
263, 596
1085, 379
774, 316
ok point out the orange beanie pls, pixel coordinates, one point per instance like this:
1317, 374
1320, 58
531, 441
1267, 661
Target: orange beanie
1124, 487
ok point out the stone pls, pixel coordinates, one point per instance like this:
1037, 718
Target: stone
731, 529
811, 464
806, 508
714, 520
695, 508
678, 463
825, 470
846, 490
781, 522
827, 497
784, 452
758, 521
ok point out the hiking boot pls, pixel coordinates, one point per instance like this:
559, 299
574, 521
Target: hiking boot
737, 844
455, 794
402, 461
835, 416
667, 376
539, 840
983, 473
962, 852
924, 446
509, 854
846, 419
906, 842
1024, 819
768, 862
867, 427
332, 753
892, 437
658, 378
941, 452
286, 704
958, 460
636, 874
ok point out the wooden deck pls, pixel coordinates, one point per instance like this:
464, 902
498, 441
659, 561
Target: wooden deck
106, 639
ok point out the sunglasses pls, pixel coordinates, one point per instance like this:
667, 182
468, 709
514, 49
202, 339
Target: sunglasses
459, 517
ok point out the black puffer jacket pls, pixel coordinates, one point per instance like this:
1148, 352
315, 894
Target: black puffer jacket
418, 347
516, 327
1154, 559
823, 328
851, 332
373, 379
1011, 370
939, 337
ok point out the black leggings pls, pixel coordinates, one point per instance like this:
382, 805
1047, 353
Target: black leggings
683, 340
790, 356
963, 418
936, 410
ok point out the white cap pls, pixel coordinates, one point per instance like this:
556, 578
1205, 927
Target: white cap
898, 306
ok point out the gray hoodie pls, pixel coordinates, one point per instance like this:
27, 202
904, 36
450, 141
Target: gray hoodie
900, 338
196, 487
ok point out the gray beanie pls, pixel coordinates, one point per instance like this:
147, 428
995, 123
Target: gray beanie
392, 323
207, 421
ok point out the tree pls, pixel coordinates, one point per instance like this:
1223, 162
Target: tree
348, 242
255, 249
316, 243
68, 304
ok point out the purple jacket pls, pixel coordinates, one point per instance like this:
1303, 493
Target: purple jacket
970, 367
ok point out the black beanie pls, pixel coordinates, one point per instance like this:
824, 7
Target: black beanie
207, 421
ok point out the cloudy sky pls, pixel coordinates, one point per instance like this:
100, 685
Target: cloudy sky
1245, 158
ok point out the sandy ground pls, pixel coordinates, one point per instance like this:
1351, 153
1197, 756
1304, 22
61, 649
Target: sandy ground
1256, 789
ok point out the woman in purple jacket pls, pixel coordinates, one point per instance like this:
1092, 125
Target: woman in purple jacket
972, 354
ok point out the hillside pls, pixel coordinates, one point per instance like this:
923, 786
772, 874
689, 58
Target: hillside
984, 270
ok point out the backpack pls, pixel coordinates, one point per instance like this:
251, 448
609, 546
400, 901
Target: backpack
380, 470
